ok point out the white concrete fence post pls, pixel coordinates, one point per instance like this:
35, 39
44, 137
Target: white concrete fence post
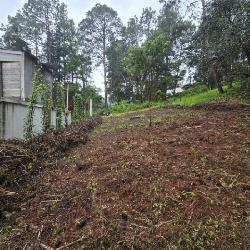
90, 107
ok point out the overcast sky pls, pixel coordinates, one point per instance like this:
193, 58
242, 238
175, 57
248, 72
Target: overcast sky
77, 10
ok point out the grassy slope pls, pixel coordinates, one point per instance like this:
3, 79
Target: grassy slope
208, 96
189, 97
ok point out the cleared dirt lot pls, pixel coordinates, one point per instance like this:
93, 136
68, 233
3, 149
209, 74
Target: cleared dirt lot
182, 183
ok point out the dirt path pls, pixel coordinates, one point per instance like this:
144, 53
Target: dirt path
182, 183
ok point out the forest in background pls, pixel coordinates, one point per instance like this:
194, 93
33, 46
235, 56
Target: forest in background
187, 42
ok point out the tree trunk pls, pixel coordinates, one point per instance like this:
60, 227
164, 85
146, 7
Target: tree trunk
229, 81
141, 92
203, 3
220, 89
36, 47
105, 82
48, 33
104, 64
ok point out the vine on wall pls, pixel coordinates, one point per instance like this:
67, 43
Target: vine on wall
42, 90
60, 106
47, 105
78, 114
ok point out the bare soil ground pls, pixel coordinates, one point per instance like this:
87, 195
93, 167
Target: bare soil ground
182, 183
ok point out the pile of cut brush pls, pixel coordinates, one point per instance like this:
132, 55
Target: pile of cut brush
21, 159
55, 143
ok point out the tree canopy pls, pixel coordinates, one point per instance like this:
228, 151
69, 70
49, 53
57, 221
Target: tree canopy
155, 52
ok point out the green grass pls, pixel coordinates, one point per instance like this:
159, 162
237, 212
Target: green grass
125, 107
196, 95
208, 96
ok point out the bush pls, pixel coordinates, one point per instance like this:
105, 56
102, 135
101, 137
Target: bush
124, 107
195, 89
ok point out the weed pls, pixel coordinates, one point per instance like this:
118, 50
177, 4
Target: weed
92, 186
61, 230
139, 175
186, 195
5, 229
150, 225
78, 222
159, 207
197, 237
110, 238
157, 121
153, 142
30, 167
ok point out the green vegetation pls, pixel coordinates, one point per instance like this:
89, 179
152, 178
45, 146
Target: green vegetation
40, 90
60, 105
208, 96
5, 229
196, 94
125, 107
197, 237
81, 102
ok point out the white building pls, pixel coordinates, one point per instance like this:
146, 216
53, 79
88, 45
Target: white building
16, 72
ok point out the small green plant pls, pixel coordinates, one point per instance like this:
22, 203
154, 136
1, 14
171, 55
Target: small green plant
78, 222
186, 195
61, 230
111, 237
150, 225
157, 121
159, 207
201, 236
30, 167
139, 175
5, 229
92, 186
148, 222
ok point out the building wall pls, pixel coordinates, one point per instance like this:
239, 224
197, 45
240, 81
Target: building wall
11, 79
12, 73
18, 71
29, 69
12, 119
9, 55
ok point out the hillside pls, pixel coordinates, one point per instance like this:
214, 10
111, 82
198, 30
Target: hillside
182, 183
196, 94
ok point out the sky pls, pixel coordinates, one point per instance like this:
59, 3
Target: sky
77, 9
